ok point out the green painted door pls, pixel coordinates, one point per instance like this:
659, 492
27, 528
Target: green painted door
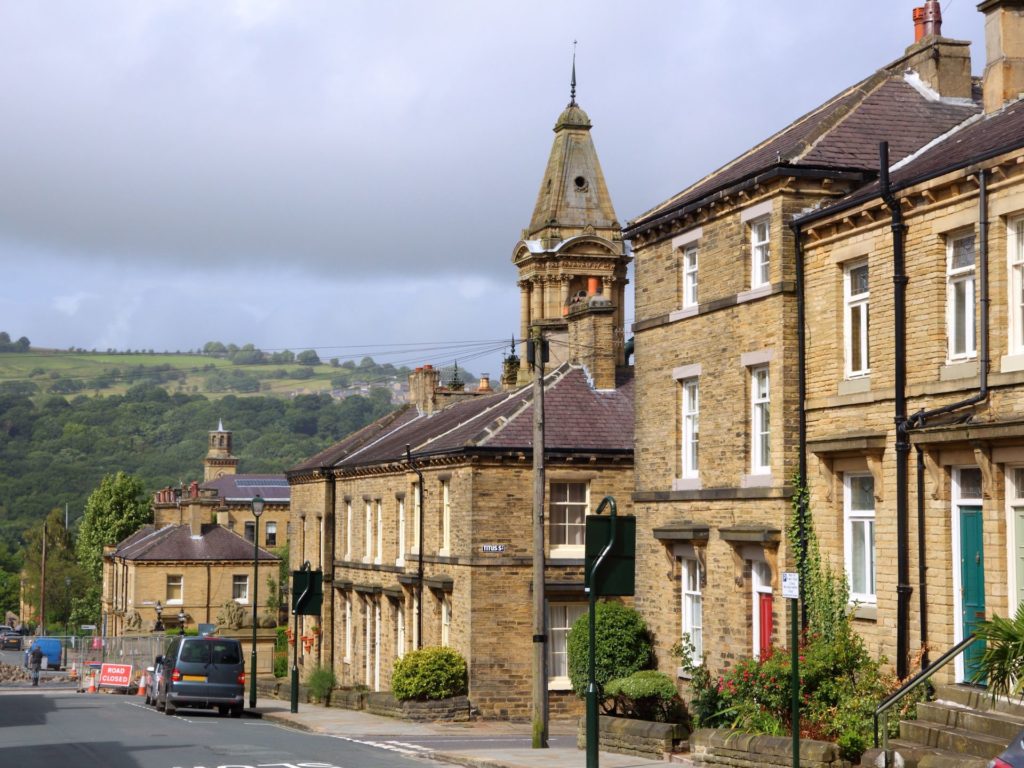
972, 584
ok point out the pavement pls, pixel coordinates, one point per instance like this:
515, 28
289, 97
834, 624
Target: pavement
477, 744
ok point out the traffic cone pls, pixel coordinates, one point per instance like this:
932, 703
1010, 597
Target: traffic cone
142, 685
92, 683
73, 672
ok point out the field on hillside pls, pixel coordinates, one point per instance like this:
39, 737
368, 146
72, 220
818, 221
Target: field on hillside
43, 372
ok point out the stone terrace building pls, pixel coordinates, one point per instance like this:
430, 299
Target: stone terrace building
716, 360
193, 568
468, 487
944, 537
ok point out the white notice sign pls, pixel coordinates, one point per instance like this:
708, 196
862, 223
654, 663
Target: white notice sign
791, 586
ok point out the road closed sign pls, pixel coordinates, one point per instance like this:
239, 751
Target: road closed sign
116, 675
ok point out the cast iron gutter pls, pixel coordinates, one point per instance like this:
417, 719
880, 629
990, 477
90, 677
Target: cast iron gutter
420, 548
899, 279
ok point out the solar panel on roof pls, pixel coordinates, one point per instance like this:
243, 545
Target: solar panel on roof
261, 483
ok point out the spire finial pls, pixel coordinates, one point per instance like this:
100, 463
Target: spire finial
572, 84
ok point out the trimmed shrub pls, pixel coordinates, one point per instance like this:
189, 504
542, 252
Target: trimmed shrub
645, 695
428, 674
321, 682
623, 645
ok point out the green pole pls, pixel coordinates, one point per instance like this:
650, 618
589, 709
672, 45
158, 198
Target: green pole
592, 720
794, 683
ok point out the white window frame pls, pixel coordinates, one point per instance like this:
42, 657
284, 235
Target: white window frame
400, 559
856, 311
961, 299
859, 525
692, 605
761, 582
417, 516
249, 531
367, 640
446, 621
380, 531
172, 579
240, 579
558, 505
270, 529
561, 617
690, 456
760, 421
690, 266
400, 629
1015, 261
368, 533
760, 251
348, 529
446, 519
348, 628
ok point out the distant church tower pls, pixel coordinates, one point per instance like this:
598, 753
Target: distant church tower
572, 251
219, 460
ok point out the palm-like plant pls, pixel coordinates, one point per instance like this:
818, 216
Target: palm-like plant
1002, 663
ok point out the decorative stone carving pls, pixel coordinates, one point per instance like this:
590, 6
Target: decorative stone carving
231, 616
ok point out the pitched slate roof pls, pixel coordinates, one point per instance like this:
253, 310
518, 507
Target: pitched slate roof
840, 135
577, 418
273, 488
176, 542
972, 142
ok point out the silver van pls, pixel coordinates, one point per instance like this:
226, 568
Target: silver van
202, 672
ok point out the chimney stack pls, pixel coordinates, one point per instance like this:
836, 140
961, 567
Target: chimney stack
422, 386
1004, 52
927, 21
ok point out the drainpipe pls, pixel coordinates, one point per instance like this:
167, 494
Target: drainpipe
419, 553
801, 345
922, 569
899, 279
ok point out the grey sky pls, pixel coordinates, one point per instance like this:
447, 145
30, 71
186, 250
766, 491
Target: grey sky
352, 176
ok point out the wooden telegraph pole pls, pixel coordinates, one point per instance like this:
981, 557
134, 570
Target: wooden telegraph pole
536, 353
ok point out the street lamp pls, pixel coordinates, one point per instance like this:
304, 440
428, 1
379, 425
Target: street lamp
67, 594
159, 626
181, 621
257, 510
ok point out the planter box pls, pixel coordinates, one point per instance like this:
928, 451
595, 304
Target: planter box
723, 746
641, 738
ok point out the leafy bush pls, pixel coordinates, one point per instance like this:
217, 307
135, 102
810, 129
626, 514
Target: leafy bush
429, 673
644, 695
623, 646
1002, 662
321, 682
280, 664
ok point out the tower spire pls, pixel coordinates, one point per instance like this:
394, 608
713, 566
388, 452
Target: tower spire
572, 83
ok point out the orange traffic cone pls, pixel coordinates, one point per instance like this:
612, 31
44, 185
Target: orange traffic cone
73, 672
142, 685
92, 683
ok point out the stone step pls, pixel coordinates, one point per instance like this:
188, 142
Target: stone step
913, 755
951, 739
978, 698
998, 724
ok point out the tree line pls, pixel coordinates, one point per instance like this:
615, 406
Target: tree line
57, 452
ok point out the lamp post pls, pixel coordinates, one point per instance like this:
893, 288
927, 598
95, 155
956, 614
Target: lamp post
159, 626
257, 510
181, 621
67, 596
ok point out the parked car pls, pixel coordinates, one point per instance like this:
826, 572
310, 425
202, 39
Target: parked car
11, 641
53, 653
153, 679
1013, 755
204, 672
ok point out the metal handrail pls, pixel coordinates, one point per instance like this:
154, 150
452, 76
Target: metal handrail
882, 710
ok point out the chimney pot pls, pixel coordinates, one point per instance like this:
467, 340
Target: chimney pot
918, 24
932, 18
